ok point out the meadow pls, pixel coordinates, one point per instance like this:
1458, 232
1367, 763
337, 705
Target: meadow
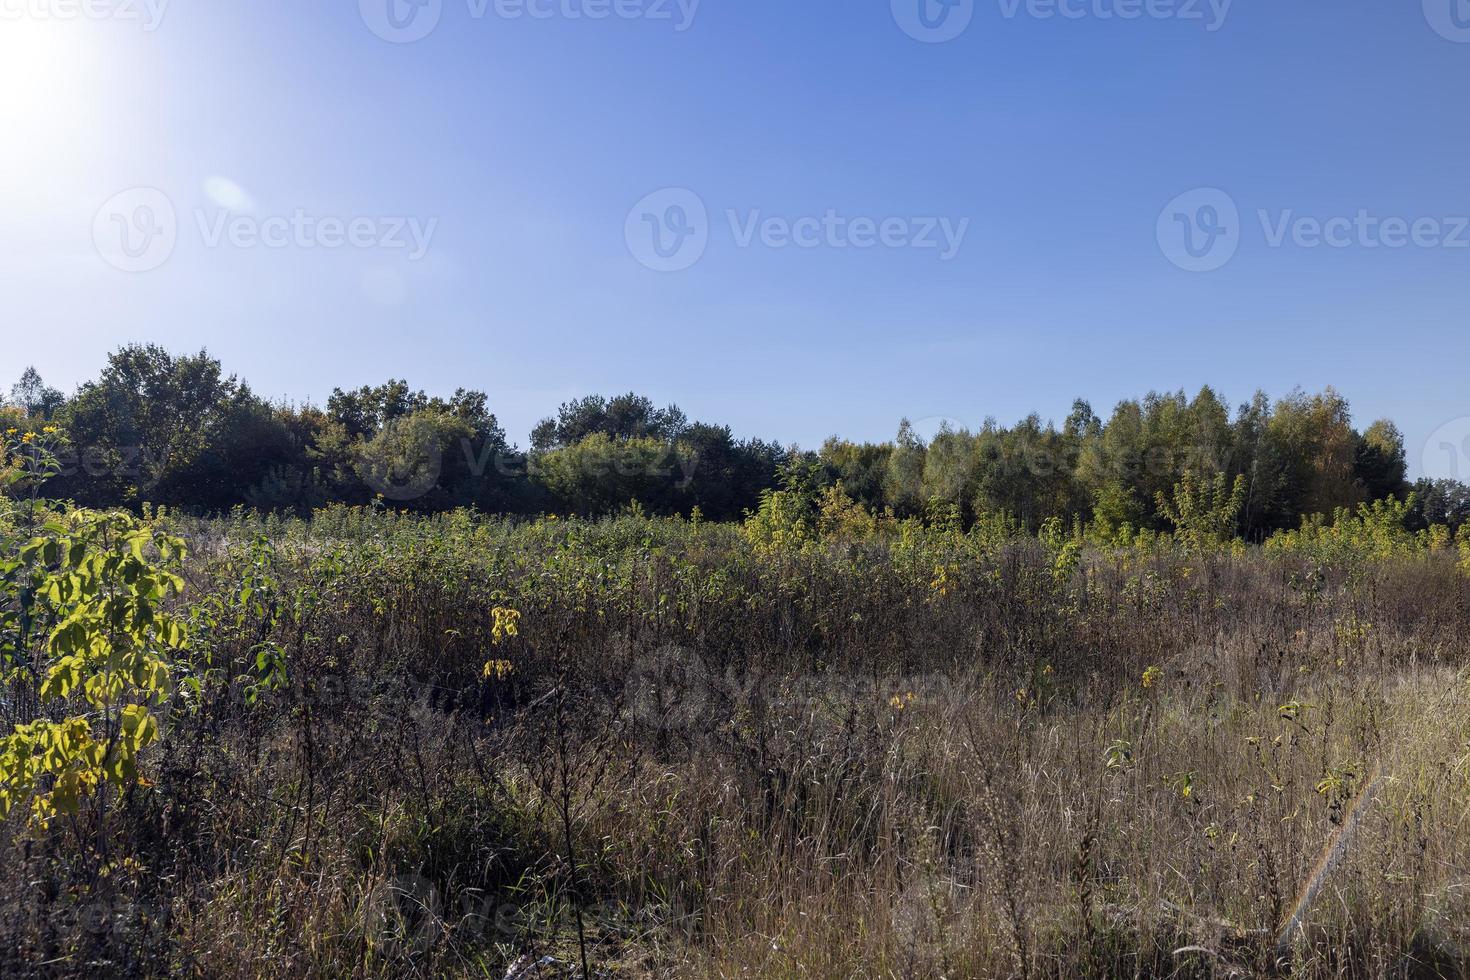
823, 742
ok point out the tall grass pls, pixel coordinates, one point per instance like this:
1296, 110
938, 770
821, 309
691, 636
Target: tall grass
900, 752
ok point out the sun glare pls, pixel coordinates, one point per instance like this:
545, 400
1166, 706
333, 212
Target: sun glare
44, 92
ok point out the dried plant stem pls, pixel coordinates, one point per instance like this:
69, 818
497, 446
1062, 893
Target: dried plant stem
1331, 857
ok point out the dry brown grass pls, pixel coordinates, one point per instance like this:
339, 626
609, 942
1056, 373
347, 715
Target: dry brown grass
746, 799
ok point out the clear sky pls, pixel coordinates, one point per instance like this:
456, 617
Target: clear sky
322, 201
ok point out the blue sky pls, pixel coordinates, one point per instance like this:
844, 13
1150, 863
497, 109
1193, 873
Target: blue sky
1070, 150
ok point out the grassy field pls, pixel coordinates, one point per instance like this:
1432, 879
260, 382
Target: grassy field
849, 747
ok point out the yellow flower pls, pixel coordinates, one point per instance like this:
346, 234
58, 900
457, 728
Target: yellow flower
505, 623
50, 430
11, 431
498, 670
1152, 676
28, 438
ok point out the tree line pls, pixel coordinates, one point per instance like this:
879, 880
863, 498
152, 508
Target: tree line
177, 430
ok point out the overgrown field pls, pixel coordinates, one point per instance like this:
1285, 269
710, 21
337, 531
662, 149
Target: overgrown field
818, 745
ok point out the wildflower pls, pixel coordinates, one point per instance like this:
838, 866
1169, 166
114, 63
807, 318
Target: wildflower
11, 431
505, 623
941, 580
49, 430
498, 669
28, 438
1152, 676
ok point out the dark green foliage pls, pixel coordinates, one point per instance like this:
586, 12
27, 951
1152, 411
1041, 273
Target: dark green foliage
176, 430
1440, 502
168, 429
627, 416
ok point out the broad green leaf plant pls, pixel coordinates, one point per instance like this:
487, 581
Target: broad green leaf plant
86, 644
